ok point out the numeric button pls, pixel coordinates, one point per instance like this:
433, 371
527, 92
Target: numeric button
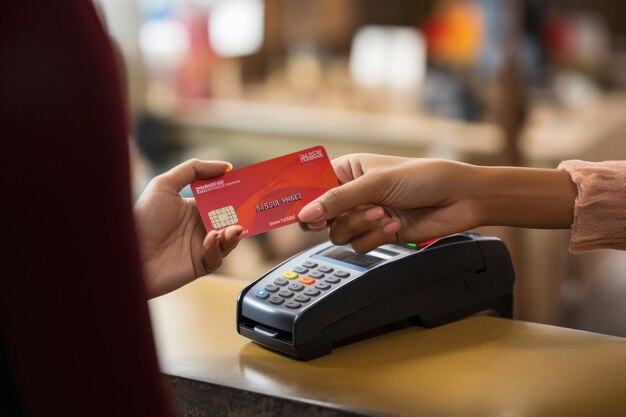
342, 274
325, 269
320, 285
292, 304
285, 293
274, 299
281, 281
313, 292
301, 298
294, 286
271, 287
300, 270
309, 264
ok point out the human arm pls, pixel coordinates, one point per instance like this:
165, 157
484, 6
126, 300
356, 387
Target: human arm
385, 199
174, 245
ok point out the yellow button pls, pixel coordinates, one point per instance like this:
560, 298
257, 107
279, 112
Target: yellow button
290, 275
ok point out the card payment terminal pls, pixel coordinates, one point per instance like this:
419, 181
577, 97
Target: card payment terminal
326, 294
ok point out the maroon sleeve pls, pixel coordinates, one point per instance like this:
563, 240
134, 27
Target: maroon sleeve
75, 329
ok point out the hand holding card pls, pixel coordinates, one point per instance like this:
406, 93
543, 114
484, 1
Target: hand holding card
266, 195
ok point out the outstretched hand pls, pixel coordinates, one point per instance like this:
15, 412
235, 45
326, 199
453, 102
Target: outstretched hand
389, 199
174, 245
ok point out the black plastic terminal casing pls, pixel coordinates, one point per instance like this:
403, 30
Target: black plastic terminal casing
455, 277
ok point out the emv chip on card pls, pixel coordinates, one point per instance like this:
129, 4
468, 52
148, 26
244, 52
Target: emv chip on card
223, 217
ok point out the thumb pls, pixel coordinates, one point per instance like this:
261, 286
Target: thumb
189, 171
339, 200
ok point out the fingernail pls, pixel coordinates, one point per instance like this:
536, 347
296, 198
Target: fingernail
313, 227
391, 228
375, 213
311, 212
318, 225
229, 166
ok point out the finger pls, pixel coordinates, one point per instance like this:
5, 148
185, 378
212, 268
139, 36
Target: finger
212, 252
379, 236
351, 166
356, 222
345, 169
341, 199
192, 170
317, 226
229, 239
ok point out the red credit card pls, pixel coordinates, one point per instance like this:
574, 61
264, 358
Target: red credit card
266, 195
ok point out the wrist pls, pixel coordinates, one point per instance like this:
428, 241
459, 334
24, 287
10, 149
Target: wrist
522, 197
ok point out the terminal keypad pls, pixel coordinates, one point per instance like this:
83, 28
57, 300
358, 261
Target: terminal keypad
301, 285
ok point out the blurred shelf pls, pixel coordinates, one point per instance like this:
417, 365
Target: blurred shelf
424, 133
554, 134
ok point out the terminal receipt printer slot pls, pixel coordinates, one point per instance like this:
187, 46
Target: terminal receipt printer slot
326, 294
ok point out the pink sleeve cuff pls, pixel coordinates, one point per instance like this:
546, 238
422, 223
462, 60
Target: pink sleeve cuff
600, 207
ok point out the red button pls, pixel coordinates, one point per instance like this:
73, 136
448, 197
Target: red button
428, 242
307, 280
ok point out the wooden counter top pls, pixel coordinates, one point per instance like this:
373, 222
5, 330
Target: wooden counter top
480, 366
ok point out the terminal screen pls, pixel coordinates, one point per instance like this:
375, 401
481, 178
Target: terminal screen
347, 255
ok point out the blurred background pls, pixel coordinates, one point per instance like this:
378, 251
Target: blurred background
493, 82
